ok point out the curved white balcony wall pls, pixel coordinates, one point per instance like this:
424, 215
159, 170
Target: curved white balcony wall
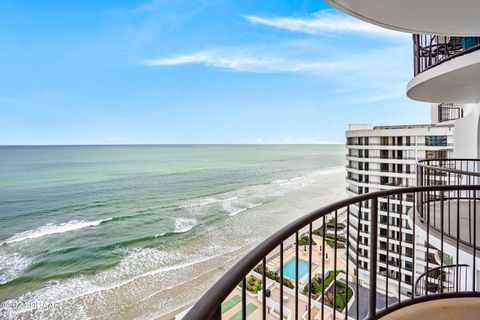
453, 81
467, 133
446, 17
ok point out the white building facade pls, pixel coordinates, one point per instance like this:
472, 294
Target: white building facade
381, 158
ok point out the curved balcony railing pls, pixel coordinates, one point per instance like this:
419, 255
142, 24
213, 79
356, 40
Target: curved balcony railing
442, 279
353, 259
452, 214
434, 172
432, 50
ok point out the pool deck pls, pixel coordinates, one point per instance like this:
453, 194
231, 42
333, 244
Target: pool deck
289, 254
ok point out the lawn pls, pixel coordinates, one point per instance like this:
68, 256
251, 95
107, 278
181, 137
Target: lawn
319, 286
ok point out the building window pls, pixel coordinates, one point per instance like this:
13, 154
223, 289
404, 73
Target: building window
383, 206
436, 154
409, 238
408, 279
365, 216
436, 140
408, 253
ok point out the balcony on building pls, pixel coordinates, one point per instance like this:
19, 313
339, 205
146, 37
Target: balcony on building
446, 69
416, 16
451, 214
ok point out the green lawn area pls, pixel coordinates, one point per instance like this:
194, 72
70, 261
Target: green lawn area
320, 287
344, 294
230, 303
250, 308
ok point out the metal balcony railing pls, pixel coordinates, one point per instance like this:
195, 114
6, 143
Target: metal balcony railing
432, 50
442, 279
451, 215
304, 271
448, 172
449, 112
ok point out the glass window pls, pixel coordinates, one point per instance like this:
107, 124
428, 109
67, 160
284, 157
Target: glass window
436, 154
436, 140
408, 265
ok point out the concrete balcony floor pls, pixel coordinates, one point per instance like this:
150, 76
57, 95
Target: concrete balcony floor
442, 309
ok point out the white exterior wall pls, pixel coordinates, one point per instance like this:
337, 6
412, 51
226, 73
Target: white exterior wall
467, 134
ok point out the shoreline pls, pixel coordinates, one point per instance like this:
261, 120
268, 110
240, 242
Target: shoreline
184, 276
290, 241
172, 314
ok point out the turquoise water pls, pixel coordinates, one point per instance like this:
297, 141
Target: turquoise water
289, 268
129, 231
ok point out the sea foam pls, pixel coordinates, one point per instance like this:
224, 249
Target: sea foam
184, 224
12, 265
245, 198
52, 228
234, 213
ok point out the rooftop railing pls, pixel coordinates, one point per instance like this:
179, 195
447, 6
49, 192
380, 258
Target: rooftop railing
318, 267
432, 50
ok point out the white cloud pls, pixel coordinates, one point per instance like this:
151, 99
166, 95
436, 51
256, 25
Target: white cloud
321, 22
372, 73
228, 59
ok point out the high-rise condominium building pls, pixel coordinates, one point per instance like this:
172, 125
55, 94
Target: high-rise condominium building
382, 158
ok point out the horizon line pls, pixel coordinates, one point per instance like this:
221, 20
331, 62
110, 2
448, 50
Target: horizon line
168, 144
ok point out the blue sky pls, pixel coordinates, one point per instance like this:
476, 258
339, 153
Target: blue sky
188, 71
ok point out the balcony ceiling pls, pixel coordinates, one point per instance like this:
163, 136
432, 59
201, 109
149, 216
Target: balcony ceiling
454, 81
446, 17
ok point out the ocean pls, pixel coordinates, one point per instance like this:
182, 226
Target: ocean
123, 232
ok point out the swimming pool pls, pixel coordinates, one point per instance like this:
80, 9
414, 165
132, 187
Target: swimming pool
289, 268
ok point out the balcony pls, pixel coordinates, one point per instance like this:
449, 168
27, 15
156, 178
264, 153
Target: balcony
446, 69
416, 16
432, 50
441, 279
449, 112
283, 292
449, 218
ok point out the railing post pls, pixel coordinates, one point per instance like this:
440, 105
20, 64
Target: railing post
372, 310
